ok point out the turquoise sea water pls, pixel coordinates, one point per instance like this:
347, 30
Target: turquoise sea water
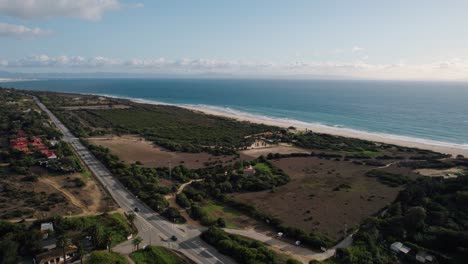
436, 111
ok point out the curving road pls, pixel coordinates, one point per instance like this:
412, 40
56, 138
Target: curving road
152, 227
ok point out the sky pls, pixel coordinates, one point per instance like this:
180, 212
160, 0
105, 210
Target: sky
364, 39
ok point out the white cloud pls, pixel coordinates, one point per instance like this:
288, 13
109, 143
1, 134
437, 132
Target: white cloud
357, 49
20, 31
450, 69
39, 9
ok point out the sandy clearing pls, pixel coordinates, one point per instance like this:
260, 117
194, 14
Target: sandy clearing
281, 148
65, 192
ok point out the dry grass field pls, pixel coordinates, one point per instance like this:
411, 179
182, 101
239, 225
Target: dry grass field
132, 148
324, 195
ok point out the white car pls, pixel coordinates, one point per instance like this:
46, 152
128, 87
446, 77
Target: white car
298, 243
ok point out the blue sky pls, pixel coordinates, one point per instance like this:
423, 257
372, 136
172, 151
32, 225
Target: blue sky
358, 39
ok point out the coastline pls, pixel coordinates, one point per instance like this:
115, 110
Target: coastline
404, 141
441, 147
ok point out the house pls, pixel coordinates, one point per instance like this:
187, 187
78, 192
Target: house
250, 171
398, 247
55, 256
49, 243
46, 228
20, 144
424, 257
49, 154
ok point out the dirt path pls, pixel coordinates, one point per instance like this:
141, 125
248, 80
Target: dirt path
171, 199
182, 187
65, 192
388, 165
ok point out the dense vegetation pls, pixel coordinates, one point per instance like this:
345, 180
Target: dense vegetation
18, 239
20, 118
239, 248
387, 178
228, 179
358, 148
430, 214
172, 127
17, 113
143, 182
157, 255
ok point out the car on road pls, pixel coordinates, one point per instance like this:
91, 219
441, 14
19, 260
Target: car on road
173, 238
137, 209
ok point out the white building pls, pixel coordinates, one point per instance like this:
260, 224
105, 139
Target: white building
46, 228
398, 247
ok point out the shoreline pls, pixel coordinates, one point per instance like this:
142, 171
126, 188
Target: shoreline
346, 132
404, 141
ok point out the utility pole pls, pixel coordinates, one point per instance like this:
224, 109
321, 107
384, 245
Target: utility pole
170, 170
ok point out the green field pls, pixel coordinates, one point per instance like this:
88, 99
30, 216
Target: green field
99, 257
263, 168
214, 211
157, 255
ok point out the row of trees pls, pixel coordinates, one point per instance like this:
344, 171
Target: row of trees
241, 249
143, 181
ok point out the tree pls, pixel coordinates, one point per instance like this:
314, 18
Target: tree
131, 217
98, 235
136, 242
221, 222
109, 241
8, 250
63, 241
414, 218
81, 251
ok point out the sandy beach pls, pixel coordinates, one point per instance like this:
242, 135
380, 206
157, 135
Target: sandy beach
441, 147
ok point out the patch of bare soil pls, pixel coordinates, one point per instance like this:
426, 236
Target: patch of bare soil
51, 195
131, 149
91, 199
281, 149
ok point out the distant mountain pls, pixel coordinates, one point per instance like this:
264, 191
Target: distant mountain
121, 75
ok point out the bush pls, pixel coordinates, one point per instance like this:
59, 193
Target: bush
387, 178
79, 183
99, 257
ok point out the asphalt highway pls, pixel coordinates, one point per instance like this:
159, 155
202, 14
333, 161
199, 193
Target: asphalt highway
151, 226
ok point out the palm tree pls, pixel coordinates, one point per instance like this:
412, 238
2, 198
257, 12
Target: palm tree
81, 251
98, 235
63, 241
136, 242
109, 241
78, 241
131, 217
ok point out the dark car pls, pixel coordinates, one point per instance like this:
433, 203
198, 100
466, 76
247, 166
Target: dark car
173, 238
137, 209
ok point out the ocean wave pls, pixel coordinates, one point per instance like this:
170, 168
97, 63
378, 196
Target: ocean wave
286, 122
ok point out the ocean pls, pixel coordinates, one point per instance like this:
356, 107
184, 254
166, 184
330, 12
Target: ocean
435, 112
